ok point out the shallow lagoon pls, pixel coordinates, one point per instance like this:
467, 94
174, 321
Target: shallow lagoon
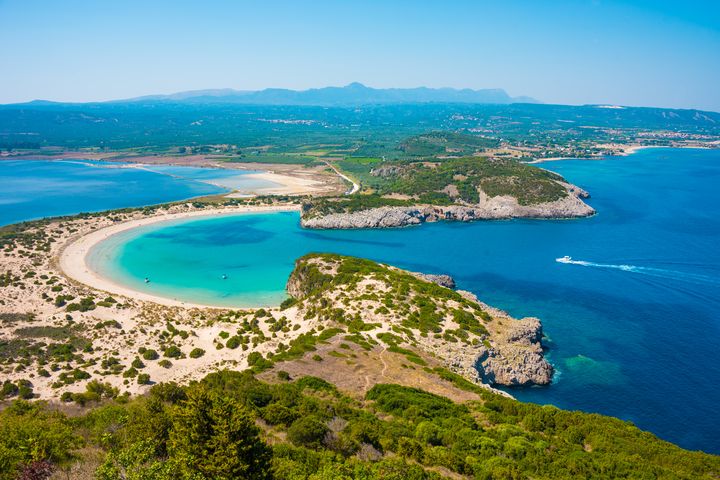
634, 331
34, 189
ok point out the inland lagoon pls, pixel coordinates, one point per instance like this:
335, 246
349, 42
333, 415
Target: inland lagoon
40, 188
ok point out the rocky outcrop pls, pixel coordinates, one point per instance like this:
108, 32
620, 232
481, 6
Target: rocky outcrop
309, 276
489, 208
443, 280
515, 357
385, 171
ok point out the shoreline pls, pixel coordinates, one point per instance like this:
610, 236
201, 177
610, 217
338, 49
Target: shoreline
72, 259
625, 152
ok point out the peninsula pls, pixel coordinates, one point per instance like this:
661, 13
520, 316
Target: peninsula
398, 194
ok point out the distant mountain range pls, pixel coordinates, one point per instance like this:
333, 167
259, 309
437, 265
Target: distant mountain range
349, 95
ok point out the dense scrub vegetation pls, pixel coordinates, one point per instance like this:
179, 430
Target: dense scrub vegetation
231, 425
421, 305
495, 176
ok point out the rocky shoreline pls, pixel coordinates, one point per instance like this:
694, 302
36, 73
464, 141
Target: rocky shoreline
508, 352
513, 355
489, 208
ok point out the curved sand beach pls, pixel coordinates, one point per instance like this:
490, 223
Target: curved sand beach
73, 258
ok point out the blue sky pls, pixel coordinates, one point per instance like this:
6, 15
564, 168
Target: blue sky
654, 53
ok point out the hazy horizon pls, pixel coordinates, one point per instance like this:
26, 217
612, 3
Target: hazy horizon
638, 53
241, 90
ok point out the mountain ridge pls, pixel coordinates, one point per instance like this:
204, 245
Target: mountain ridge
352, 94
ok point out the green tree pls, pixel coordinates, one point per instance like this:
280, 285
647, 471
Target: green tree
29, 434
216, 437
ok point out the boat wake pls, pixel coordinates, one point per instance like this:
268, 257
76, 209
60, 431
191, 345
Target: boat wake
649, 271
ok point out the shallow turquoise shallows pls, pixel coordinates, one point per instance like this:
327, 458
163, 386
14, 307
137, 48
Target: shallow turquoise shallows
633, 328
34, 189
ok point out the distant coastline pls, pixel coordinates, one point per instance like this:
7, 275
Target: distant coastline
623, 152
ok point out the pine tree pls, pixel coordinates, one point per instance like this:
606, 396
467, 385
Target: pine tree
216, 437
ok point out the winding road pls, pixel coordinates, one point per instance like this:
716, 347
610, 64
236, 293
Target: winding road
355, 186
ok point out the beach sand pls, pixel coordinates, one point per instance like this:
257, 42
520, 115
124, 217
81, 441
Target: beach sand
287, 185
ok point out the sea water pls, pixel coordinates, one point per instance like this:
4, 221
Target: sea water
633, 328
31, 189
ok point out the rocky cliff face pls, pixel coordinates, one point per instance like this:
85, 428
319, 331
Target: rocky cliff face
482, 343
516, 356
489, 208
443, 280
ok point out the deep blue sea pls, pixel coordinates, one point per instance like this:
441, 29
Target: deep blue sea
31, 189
633, 329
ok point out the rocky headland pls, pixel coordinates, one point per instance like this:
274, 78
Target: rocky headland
489, 208
417, 315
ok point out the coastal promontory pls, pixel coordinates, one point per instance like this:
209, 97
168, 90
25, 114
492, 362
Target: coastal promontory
397, 194
418, 315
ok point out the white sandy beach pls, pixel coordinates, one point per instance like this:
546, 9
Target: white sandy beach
73, 258
287, 185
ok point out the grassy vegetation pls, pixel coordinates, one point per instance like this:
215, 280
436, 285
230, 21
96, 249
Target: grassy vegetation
359, 168
231, 425
278, 158
348, 204
442, 143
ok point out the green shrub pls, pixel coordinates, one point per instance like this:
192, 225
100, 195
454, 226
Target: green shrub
276, 414
150, 354
307, 432
287, 303
173, 352
233, 342
137, 363
197, 353
215, 437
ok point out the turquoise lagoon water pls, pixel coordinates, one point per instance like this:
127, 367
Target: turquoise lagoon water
633, 328
34, 189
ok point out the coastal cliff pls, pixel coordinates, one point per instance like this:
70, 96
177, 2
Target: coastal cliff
489, 208
416, 314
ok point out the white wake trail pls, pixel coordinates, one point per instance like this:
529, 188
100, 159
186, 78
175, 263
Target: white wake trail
650, 271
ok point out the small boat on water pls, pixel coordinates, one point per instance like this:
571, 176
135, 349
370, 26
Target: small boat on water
147, 280
224, 277
565, 259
